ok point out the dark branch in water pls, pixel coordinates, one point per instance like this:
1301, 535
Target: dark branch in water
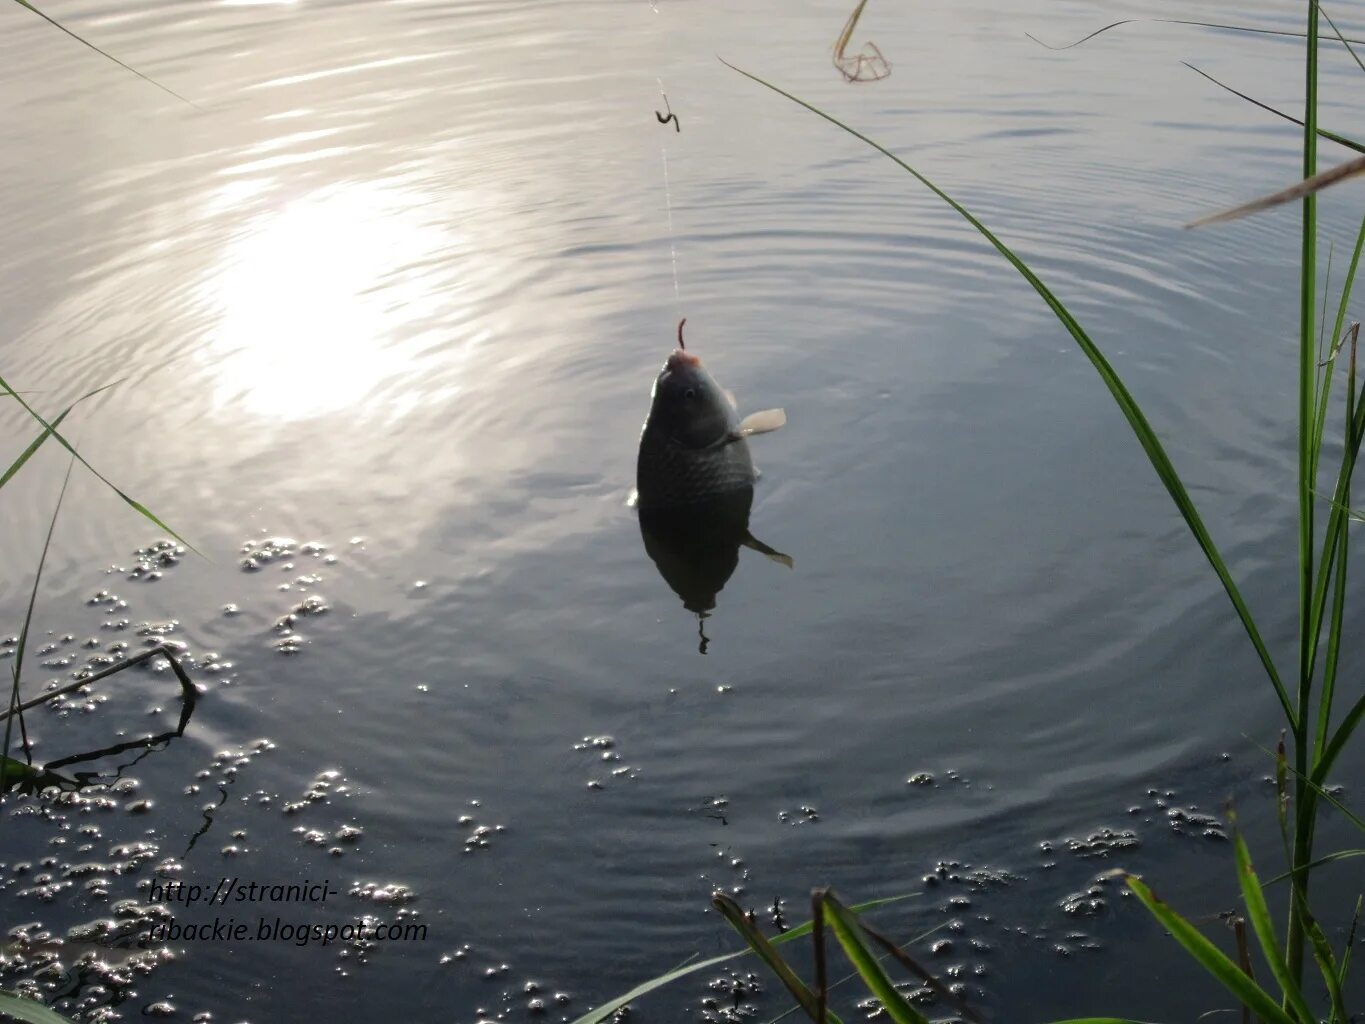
186, 686
680, 340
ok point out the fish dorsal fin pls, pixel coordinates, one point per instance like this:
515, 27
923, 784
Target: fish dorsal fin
761, 422
753, 543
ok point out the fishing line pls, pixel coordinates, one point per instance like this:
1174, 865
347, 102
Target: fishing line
668, 198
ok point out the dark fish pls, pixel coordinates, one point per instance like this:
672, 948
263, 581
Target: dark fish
693, 444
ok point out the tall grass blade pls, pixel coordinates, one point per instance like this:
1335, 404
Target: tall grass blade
1176, 21
1337, 32
106, 55
1339, 739
137, 506
26, 1010
601, 1013
1326, 960
28, 452
758, 942
1258, 913
17, 667
850, 935
1340, 140
1210, 957
1313, 865
1350, 943
1146, 436
1310, 614
1330, 363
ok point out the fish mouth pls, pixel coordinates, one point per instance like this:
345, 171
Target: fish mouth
680, 360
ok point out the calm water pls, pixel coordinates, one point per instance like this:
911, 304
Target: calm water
399, 288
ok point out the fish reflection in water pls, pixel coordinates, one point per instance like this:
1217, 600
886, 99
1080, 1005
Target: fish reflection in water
696, 547
695, 482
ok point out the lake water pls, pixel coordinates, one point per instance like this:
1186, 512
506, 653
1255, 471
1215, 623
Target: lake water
397, 289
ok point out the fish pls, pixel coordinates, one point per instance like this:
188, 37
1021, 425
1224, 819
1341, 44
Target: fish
695, 482
694, 445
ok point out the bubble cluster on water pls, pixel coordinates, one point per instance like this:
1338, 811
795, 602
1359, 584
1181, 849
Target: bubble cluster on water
337, 839
528, 999
731, 997
1102, 843
612, 768
929, 780
477, 835
1183, 821
805, 814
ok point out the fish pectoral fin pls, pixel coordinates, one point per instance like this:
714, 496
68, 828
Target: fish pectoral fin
753, 543
761, 422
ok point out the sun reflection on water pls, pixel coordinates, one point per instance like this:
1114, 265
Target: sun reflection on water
317, 303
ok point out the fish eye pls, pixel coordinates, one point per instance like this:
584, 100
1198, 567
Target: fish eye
689, 394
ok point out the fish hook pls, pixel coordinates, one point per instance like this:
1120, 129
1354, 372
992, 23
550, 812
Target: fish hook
680, 338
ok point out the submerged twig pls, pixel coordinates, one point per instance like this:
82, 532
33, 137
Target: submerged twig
852, 68
187, 689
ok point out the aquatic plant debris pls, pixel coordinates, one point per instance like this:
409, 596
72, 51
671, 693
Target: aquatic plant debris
106, 55
1332, 176
864, 66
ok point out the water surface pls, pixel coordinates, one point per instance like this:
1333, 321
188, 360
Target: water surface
398, 290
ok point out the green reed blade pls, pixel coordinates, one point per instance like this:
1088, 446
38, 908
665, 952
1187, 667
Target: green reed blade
137, 506
1339, 739
14, 1005
28, 452
1337, 32
600, 1013
1146, 436
16, 669
1340, 140
106, 55
1325, 959
1350, 942
1290, 972
1177, 21
845, 927
758, 942
1258, 913
1334, 349
1210, 957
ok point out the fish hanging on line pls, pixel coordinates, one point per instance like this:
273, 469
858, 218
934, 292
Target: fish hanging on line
693, 445
695, 482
